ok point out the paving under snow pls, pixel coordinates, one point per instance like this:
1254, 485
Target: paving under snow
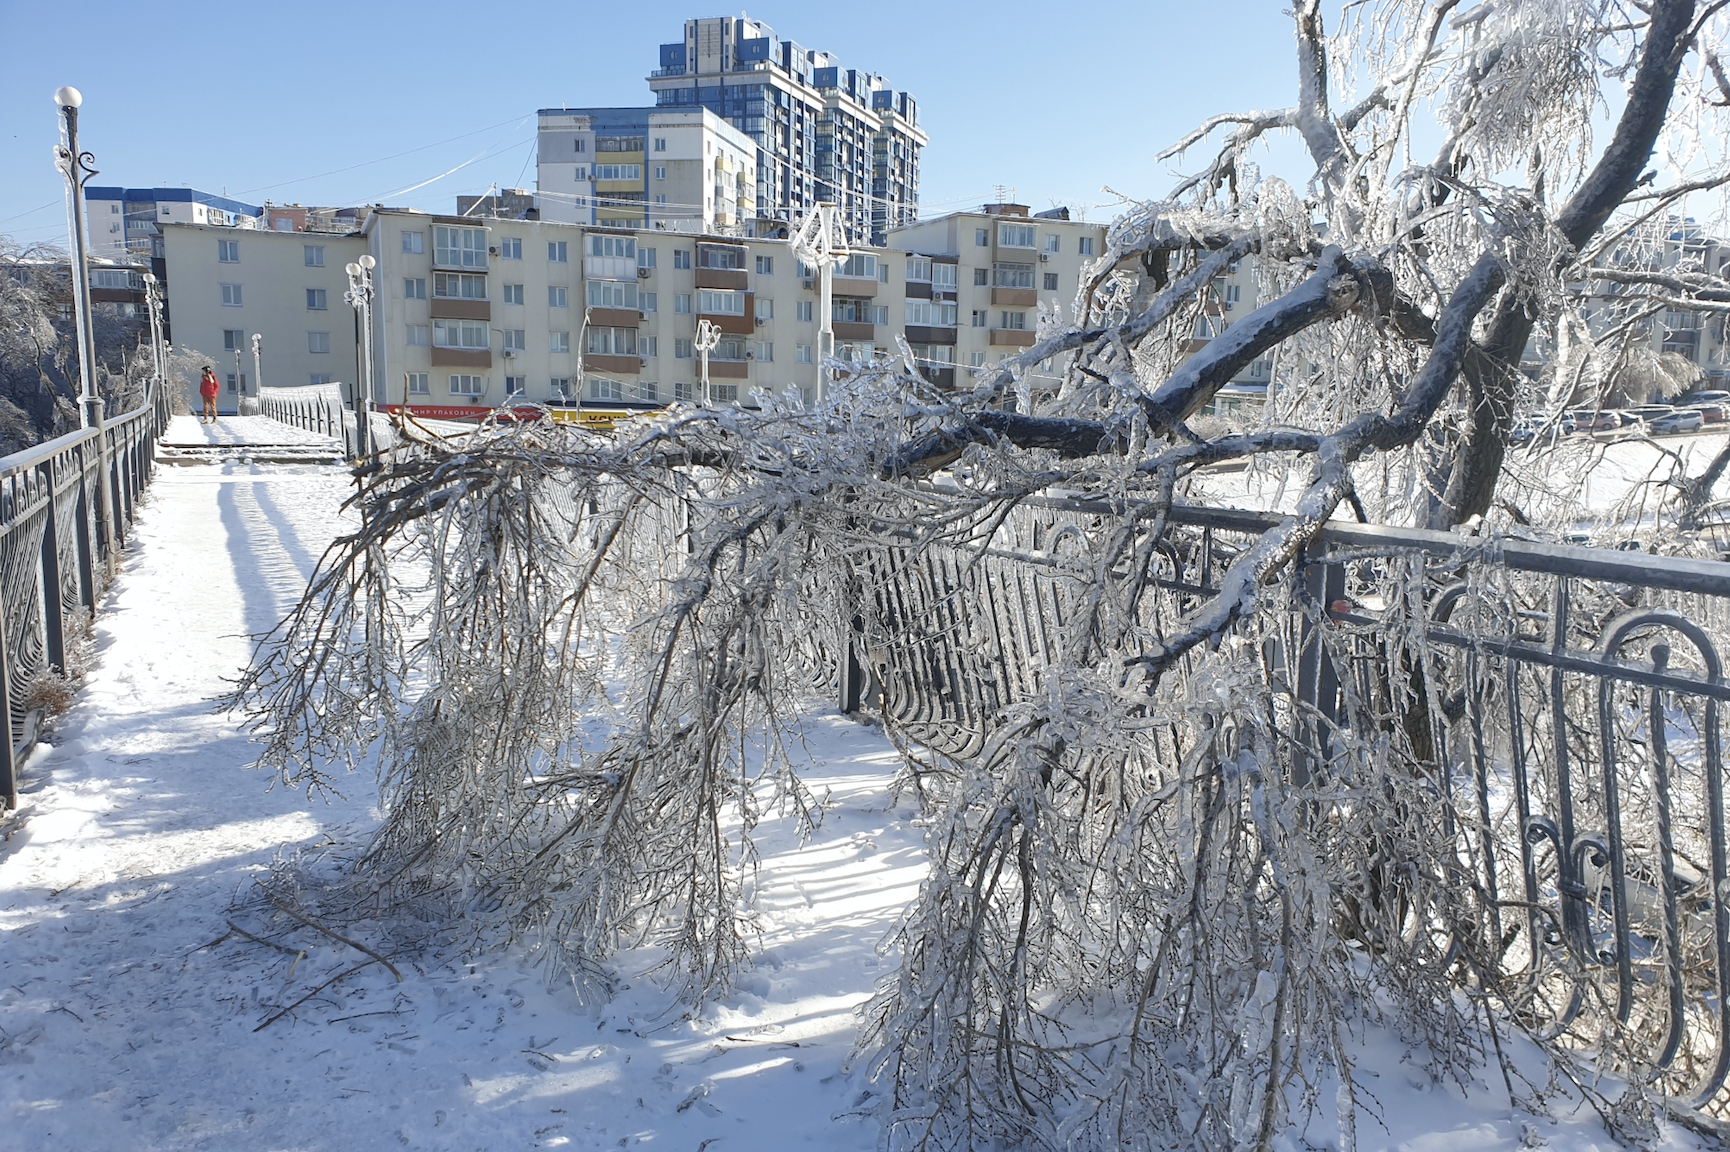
121, 1028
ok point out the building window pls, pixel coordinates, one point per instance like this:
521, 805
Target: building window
556, 251
605, 389
681, 349
618, 144
931, 313
624, 247
467, 385
1050, 281
765, 309
1012, 275
414, 243
513, 293
646, 302
942, 277
976, 359
982, 238
612, 341
860, 266
511, 249
315, 299
683, 391
233, 339
802, 311
1016, 321
980, 317
717, 302
1233, 293
322, 378
415, 383
765, 352
1016, 235
661, 173
681, 258
981, 277
1084, 245
801, 353
918, 269
228, 251
582, 145
659, 199
681, 304
582, 174
231, 381
558, 341
514, 385
465, 334
231, 296
513, 339
556, 297
612, 294
313, 254
660, 143
414, 287
645, 257
648, 346
456, 247
723, 259
618, 171
765, 265
1051, 243
459, 286
559, 387
416, 335
318, 342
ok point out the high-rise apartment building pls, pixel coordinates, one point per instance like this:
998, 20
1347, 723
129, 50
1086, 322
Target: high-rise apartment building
822, 131
124, 221
669, 170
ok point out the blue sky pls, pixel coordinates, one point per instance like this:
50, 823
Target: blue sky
339, 104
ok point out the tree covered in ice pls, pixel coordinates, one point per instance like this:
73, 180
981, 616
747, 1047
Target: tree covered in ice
1160, 892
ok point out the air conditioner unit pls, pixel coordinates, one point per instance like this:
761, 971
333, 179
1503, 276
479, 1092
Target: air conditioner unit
642, 273
1045, 257
510, 353
1228, 305
492, 250
762, 320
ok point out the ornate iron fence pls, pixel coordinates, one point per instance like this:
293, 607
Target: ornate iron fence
1570, 698
315, 408
54, 552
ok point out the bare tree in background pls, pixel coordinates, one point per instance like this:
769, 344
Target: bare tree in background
1150, 918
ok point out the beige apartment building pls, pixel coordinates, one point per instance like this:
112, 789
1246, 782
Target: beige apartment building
226, 284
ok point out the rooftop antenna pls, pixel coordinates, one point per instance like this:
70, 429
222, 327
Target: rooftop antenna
999, 190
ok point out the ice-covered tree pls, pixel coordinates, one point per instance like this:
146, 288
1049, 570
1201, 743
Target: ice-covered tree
1160, 892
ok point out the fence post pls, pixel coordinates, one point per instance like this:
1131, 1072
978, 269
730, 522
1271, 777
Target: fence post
86, 551
53, 619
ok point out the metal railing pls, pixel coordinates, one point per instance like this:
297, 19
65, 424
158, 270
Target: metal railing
1571, 696
54, 554
323, 410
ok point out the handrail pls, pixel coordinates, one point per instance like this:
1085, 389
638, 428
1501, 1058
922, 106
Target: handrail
54, 563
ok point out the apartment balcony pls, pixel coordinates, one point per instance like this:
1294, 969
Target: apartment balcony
446, 309
930, 334
663, 73
734, 279
736, 325
1011, 337
942, 377
609, 268
918, 290
614, 318
621, 365
851, 330
729, 369
1015, 297
855, 286
461, 358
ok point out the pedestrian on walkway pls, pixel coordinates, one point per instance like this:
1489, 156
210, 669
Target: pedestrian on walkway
207, 388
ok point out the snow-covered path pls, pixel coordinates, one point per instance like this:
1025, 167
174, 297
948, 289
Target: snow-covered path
140, 826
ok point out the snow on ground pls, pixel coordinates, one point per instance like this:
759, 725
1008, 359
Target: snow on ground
123, 1026
230, 431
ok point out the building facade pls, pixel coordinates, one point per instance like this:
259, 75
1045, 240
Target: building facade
226, 285
822, 132
676, 170
127, 221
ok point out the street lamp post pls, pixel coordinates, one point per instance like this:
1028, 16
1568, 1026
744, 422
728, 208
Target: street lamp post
820, 244
78, 167
158, 354
359, 295
257, 367
707, 337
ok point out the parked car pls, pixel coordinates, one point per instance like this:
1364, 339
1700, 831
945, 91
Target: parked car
1681, 420
1712, 413
1709, 396
1527, 430
1593, 420
1648, 412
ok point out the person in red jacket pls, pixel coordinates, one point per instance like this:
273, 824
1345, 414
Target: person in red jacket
207, 388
